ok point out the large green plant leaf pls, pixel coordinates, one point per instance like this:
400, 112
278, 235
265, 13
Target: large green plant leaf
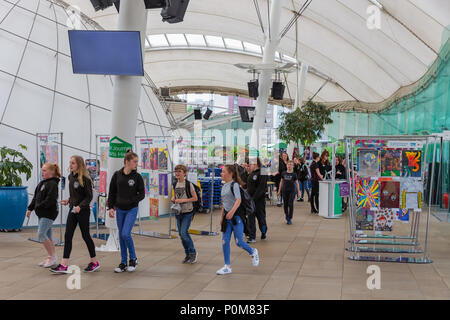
12, 164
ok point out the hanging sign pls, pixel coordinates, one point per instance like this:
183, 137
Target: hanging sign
405, 144
118, 148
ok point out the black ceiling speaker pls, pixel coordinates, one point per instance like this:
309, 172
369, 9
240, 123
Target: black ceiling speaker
174, 11
277, 90
198, 114
102, 4
165, 91
247, 113
207, 114
253, 89
149, 4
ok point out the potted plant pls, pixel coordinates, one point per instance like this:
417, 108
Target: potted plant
13, 196
305, 124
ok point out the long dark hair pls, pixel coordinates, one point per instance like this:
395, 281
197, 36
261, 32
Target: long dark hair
232, 168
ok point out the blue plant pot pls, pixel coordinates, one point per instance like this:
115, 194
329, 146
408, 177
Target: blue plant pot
13, 207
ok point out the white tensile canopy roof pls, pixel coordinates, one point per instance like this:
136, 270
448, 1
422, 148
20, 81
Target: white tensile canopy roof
364, 65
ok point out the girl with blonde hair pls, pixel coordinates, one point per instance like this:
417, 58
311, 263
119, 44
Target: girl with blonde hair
45, 205
80, 190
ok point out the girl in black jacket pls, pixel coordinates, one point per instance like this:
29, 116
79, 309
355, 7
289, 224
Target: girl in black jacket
126, 190
45, 205
80, 190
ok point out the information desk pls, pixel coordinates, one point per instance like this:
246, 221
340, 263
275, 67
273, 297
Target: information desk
329, 206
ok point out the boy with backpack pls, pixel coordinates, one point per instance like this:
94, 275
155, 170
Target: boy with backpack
185, 194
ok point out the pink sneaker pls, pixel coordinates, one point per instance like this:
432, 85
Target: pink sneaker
59, 269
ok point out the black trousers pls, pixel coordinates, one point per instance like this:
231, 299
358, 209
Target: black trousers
315, 195
73, 219
260, 215
288, 203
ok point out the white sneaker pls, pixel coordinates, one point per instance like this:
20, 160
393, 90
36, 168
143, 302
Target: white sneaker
224, 270
51, 262
44, 261
255, 257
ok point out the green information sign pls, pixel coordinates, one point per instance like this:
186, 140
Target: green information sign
118, 147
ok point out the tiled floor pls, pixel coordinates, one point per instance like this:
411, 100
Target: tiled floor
305, 260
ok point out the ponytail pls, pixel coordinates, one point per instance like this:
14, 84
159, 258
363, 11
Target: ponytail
55, 168
130, 155
232, 168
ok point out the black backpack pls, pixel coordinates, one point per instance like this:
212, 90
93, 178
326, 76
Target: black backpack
303, 173
247, 205
197, 204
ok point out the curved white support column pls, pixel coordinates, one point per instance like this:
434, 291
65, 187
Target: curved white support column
127, 93
265, 77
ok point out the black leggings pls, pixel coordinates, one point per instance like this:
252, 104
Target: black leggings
315, 195
73, 219
288, 202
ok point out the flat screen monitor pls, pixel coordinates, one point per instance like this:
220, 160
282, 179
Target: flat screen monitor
106, 52
247, 113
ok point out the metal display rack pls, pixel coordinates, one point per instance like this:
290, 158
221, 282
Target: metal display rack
153, 234
399, 247
97, 235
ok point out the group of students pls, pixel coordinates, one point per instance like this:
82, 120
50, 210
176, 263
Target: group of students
126, 190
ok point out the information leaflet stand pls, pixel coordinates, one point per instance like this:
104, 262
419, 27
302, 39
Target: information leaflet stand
386, 189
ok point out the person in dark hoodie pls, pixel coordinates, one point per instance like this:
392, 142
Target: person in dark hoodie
126, 190
45, 205
80, 196
256, 188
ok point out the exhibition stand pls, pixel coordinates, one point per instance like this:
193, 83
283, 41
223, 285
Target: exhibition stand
330, 198
387, 191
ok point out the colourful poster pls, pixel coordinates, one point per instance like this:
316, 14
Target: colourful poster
163, 185
368, 193
154, 206
403, 214
370, 143
384, 219
104, 151
412, 163
344, 189
368, 163
146, 178
102, 182
390, 194
145, 161
391, 163
163, 158
411, 192
101, 207
153, 158
364, 219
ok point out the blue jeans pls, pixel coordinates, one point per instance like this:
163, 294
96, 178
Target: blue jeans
125, 222
304, 186
238, 231
183, 223
45, 229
